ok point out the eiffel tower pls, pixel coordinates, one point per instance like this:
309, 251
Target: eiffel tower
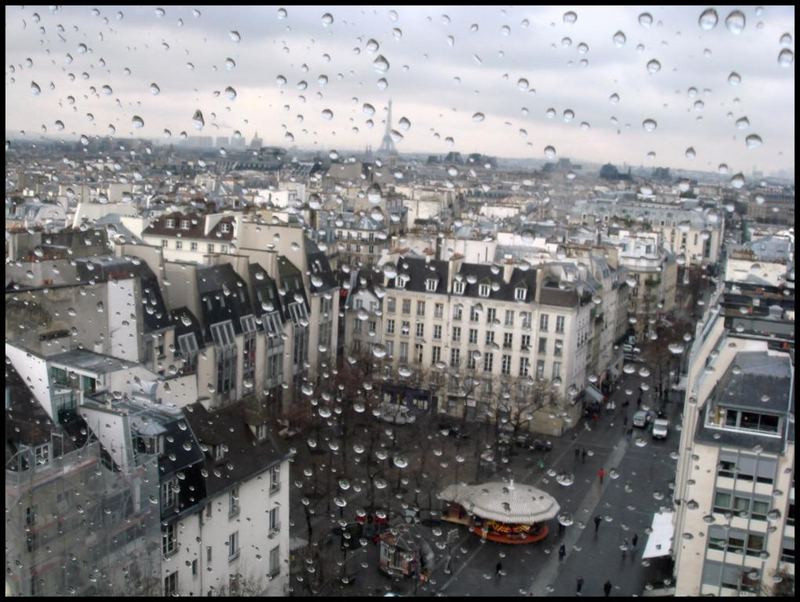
387, 148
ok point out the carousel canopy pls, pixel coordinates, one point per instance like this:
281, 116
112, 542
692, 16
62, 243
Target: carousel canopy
503, 502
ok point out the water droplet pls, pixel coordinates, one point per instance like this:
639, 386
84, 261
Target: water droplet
154, 89
327, 19
478, 117
753, 141
653, 66
649, 125
327, 114
368, 109
230, 64
785, 58
568, 115
570, 17
59, 125
786, 39
583, 48
735, 22
230, 93
734, 79
550, 152
742, 123
35, 89
690, 153
197, 120
708, 19
550, 113
619, 39
372, 46
137, 121
235, 36
404, 124
522, 84
380, 64
282, 13
382, 84
645, 19
505, 30
737, 181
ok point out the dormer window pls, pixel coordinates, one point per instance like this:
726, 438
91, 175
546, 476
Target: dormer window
170, 223
458, 287
261, 431
402, 280
483, 290
430, 284
520, 292
184, 224
219, 452
225, 228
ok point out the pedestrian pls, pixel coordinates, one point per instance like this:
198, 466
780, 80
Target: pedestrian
601, 474
639, 400
634, 540
577, 453
498, 569
630, 433
607, 588
579, 586
624, 548
562, 551
583, 456
625, 420
561, 528
597, 521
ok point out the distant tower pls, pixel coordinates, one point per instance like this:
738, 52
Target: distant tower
387, 148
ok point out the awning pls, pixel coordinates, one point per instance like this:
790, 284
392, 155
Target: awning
504, 502
660, 541
594, 393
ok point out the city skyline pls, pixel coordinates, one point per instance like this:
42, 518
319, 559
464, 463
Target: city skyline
488, 122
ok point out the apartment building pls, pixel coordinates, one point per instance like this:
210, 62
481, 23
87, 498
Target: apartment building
191, 236
473, 334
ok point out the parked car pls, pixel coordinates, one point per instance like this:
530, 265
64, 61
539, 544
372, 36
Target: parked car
642, 418
452, 430
660, 428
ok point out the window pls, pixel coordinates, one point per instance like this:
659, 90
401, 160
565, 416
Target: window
420, 329
456, 333
274, 520
543, 322
488, 360
224, 228
169, 540
406, 306
508, 340
457, 313
164, 243
171, 584
540, 369
389, 326
233, 546
509, 318
402, 279
525, 342
505, 367
526, 319
170, 223
559, 346
542, 345
233, 502
438, 310
471, 356
178, 244
404, 352
556, 370
210, 247
41, 454
390, 349
490, 337
491, 315
357, 326
169, 493
474, 314
391, 305
455, 358
458, 287
418, 352
473, 336
560, 324
194, 567
430, 284
420, 308
208, 554
261, 431
275, 561
484, 289
437, 331
520, 293
436, 354
524, 366
193, 246
274, 479
405, 328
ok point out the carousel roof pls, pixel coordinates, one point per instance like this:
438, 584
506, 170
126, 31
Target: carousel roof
504, 502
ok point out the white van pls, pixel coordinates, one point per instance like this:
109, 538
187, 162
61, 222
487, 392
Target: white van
660, 428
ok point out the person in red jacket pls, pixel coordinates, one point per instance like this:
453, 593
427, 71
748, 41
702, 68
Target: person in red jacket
601, 474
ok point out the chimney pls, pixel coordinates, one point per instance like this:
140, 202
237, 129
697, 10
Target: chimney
508, 269
453, 267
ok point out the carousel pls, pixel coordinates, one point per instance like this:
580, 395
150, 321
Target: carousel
501, 512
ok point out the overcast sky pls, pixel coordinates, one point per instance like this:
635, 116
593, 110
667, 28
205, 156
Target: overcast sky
437, 83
